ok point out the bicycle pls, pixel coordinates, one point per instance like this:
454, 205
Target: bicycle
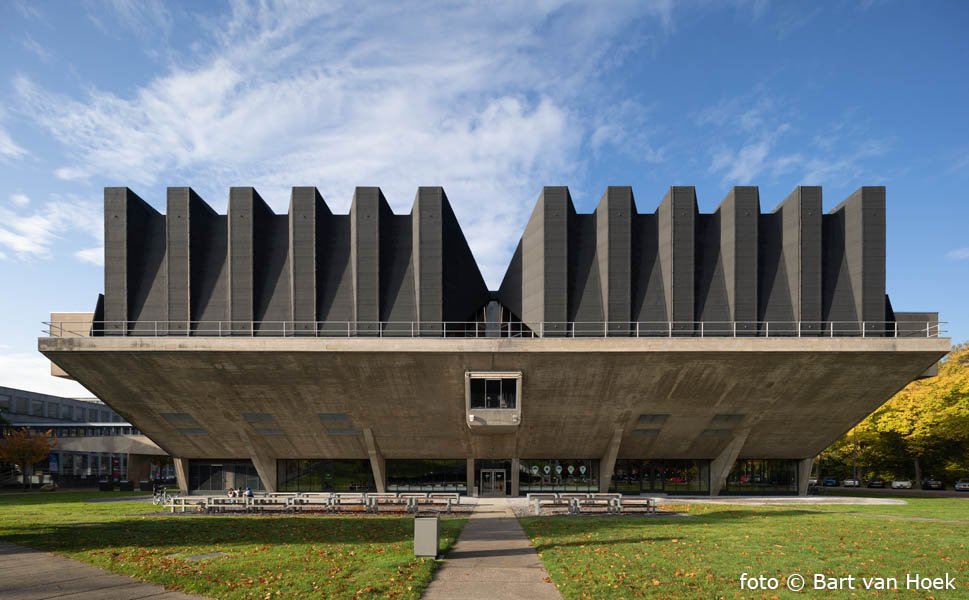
161, 497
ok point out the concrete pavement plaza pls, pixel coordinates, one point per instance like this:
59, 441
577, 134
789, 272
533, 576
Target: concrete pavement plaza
492, 558
27, 574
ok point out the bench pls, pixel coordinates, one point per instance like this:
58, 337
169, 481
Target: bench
638, 504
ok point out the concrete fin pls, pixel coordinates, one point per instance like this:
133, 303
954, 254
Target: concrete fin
366, 211
304, 208
464, 288
510, 291
136, 274
739, 213
677, 216
614, 219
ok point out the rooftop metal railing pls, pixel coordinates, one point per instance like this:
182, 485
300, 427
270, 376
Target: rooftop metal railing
478, 329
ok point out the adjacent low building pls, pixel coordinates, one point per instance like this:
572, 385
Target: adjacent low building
93, 441
665, 352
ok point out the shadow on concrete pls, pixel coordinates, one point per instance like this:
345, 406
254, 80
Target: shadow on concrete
453, 554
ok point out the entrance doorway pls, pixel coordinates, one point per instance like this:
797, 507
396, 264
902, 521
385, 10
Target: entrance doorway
492, 482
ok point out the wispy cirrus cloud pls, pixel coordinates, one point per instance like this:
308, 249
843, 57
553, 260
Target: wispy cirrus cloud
958, 254
761, 138
479, 99
31, 234
8, 148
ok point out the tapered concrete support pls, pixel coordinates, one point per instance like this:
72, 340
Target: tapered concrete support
803, 475
608, 461
515, 466
377, 462
181, 474
471, 477
262, 460
721, 465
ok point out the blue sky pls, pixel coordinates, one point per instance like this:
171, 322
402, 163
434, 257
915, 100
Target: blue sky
492, 102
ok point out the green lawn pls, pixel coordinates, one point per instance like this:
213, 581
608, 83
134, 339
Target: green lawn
281, 556
703, 554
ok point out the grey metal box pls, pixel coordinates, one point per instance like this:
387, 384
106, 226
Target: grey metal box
427, 535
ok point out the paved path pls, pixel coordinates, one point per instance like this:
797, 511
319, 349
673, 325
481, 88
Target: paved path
492, 558
27, 574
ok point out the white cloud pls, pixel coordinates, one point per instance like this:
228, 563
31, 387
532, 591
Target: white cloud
32, 235
958, 254
19, 199
756, 129
8, 148
31, 45
95, 256
31, 371
479, 99
626, 128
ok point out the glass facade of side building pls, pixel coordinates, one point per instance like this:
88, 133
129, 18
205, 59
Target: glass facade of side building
69, 418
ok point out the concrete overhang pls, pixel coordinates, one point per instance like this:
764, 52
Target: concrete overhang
671, 397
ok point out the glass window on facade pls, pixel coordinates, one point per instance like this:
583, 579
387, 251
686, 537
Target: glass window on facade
555, 475
324, 475
37, 408
762, 477
427, 476
635, 476
494, 393
4, 402
218, 476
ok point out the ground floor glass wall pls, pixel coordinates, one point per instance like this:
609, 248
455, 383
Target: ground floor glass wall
220, 475
558, 475
324, 475
762, 477
427, 476
633, 476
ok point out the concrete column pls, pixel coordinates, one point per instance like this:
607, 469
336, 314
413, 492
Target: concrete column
471, 477
803, 474
262, 460
377, 463
608, 461
514, 476
721, 465
181, 474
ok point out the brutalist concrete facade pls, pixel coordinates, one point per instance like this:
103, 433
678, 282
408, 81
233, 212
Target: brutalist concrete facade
736, 265
698, 337
195, 270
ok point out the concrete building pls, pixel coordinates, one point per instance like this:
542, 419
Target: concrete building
672, 351
93, 441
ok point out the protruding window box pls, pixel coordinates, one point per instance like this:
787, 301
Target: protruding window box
493, 401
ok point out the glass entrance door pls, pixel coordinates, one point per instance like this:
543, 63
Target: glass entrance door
492, 482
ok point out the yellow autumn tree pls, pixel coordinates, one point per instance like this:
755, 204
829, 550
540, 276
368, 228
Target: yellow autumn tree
924, 426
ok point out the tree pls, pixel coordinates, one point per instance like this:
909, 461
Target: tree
24, 450
926, 425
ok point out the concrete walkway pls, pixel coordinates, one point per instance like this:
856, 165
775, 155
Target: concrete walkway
27, 574
492, 558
